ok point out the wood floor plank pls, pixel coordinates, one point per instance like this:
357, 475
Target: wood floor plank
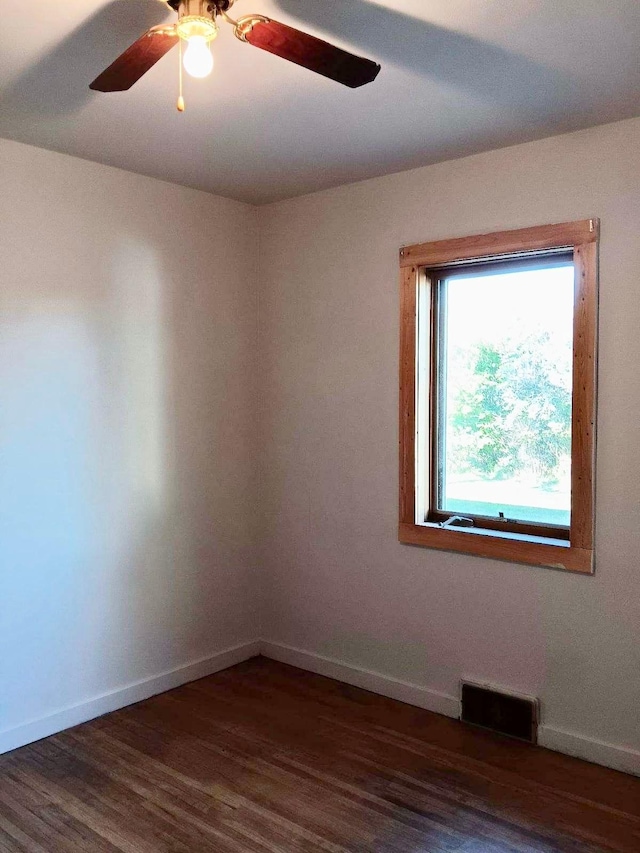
197, 726
265, 758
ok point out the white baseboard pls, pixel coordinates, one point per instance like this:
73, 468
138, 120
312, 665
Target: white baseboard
609, 755
112, 701
617, 757
598, 752
412, 694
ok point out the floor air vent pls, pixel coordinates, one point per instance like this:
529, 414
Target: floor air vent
515, 716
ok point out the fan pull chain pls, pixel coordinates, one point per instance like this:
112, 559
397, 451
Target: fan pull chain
180, 104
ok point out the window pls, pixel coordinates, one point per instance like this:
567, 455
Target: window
502, 348
497, 395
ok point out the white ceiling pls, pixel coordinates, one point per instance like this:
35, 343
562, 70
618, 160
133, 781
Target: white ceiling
458, 76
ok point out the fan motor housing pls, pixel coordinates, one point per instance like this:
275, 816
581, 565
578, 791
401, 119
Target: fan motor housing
208, 6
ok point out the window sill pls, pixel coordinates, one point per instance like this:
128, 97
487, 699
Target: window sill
512, 547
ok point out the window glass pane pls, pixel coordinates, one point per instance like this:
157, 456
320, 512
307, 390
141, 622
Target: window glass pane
506, 340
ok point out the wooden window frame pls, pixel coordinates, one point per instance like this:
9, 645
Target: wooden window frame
575, 553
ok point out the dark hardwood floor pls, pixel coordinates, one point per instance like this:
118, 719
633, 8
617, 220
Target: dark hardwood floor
265, 757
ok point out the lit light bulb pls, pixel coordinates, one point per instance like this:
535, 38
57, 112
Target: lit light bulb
198, 59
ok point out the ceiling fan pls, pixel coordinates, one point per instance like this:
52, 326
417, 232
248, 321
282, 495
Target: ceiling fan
197, 26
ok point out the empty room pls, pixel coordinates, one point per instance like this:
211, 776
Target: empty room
319, 443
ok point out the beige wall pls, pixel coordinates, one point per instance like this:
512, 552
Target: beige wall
127, 428
148, 375
341, 586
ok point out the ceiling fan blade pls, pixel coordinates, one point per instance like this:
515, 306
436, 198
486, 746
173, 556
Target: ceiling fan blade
143, 54
311, 52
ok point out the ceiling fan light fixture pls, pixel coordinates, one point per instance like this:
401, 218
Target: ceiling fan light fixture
195, 26
198, 59
198, 33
